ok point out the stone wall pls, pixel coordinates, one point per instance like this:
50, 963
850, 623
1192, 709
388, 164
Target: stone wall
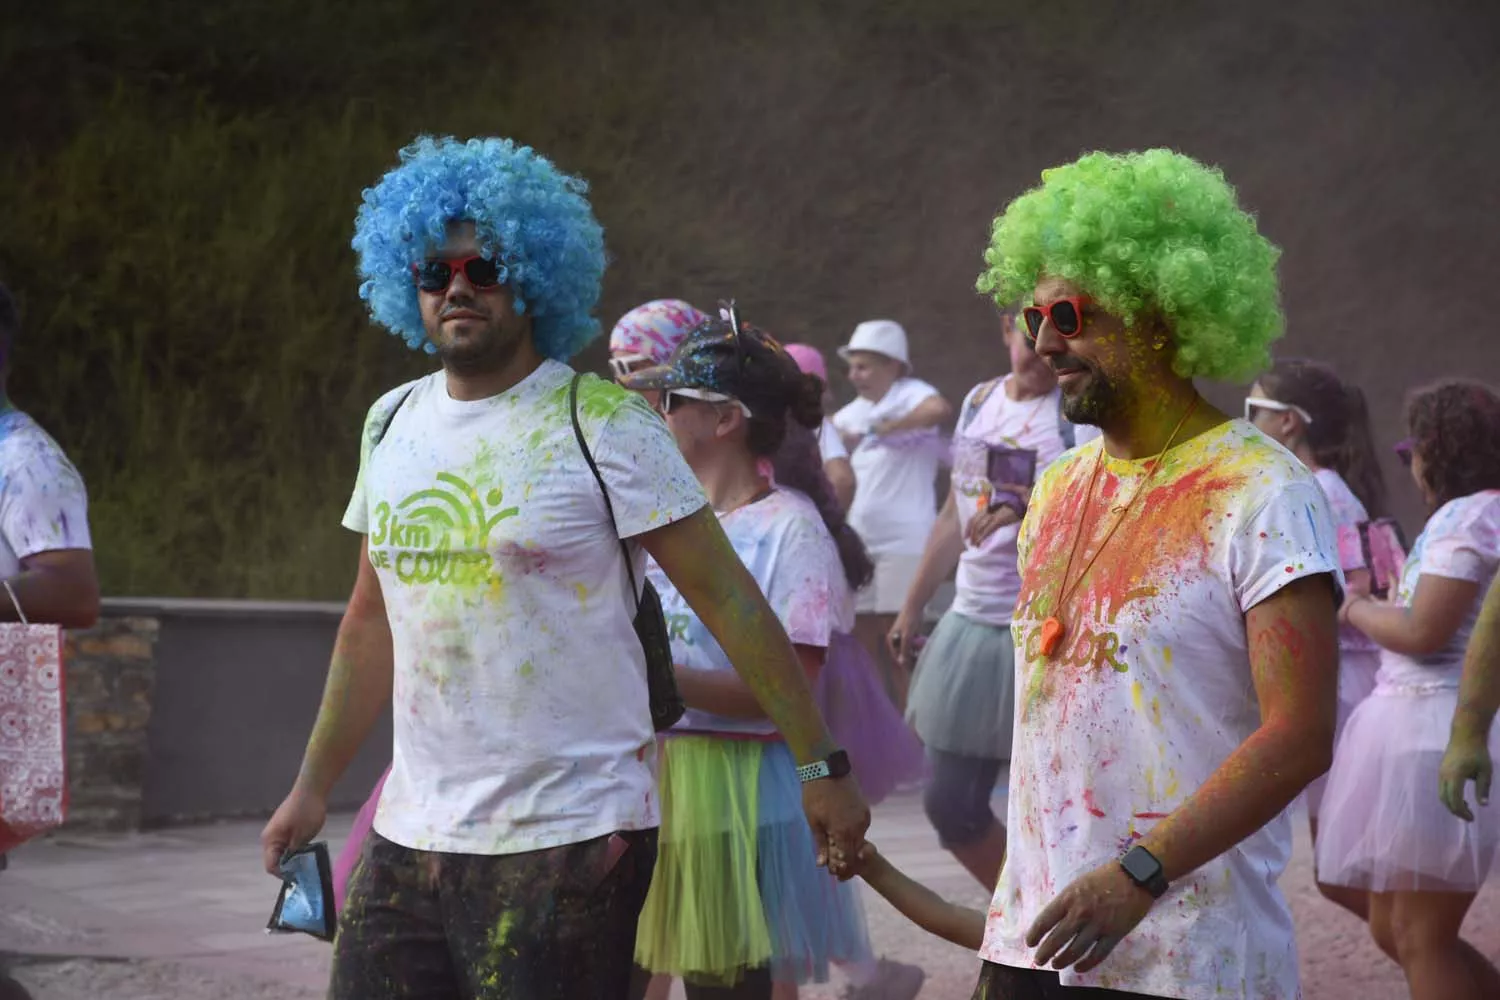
111, 674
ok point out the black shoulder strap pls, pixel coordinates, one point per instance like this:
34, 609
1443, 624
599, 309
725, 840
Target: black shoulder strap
379, 437
1065, 426
604, 490
976, 400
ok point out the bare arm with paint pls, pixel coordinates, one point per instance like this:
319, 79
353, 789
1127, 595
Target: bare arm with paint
1468, 755
934, 411
840, 475
945, 543
1294, 664
1423, 627
60, 587
727, 694
934, 914
358, 687
1293, 639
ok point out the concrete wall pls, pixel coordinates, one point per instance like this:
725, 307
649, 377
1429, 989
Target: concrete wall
216, 724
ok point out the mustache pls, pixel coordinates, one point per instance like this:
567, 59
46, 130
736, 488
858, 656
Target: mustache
1066, 365
460, 306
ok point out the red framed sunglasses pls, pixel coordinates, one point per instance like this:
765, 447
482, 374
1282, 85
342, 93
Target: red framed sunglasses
437, 274
1066, 315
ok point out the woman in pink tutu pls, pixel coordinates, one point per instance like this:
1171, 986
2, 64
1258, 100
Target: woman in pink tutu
1305, 407
1383, 829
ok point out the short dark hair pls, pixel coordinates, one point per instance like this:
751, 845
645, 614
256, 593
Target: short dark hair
1455, 427
10, 324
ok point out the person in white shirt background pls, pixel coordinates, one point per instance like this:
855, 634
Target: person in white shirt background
46, 552
895, 446
830, 444
961, 701
515, 838
1382, 829
1306, 408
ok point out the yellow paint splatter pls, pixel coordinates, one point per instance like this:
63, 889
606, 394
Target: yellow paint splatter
1171, 791
1137, 696
582, 592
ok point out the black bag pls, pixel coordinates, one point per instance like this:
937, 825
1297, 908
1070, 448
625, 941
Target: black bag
650, 623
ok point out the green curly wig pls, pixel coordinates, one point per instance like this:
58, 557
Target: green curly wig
1153, 234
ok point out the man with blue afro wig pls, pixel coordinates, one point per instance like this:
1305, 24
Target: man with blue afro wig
506, 503
1176, 636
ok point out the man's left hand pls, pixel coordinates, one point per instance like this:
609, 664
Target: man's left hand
1087, 919
837, 812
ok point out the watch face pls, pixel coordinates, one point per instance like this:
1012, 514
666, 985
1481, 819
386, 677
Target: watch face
1140, 865
838, 764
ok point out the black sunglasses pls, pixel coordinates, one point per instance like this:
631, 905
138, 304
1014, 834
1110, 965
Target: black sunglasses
436, 275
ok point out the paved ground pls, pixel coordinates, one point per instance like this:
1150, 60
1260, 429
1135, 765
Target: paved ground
179, 914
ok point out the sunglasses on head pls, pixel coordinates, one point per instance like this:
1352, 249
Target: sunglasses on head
1253, 403
627, 364
673, 398
1403, 452
1066, 315
436, 275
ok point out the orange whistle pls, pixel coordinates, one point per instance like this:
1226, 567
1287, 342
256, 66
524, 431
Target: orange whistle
1052, 634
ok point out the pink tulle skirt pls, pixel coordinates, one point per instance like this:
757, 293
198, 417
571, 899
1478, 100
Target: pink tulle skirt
343, 865
1383, 827
883, 750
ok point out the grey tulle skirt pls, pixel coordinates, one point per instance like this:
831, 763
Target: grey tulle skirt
962, 695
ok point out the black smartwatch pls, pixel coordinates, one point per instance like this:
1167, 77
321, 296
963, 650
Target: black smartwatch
835, 765
1144, 870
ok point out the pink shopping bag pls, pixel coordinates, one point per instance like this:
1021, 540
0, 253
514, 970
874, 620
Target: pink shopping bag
33, 730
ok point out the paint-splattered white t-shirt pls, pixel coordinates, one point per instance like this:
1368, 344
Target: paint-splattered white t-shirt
1461, 541
43, 503
783, 542
520, 703
1148, 693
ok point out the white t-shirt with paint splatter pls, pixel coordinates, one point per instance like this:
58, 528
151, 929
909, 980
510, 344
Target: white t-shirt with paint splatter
43, 503
781, 539
520, 702
1147, 695
1461, 541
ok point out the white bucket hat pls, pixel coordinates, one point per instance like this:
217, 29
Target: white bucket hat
879, 336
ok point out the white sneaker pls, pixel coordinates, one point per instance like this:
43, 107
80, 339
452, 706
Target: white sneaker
893, 981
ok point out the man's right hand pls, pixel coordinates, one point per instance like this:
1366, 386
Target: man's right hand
296, 822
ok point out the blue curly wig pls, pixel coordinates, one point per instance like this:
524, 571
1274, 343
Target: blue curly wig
1153, 234
527, 214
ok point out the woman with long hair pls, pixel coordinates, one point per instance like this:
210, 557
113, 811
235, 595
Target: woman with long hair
1317, 416
1383, 831
737, 903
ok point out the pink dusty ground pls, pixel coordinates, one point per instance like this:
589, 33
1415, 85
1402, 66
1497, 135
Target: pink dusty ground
186, 907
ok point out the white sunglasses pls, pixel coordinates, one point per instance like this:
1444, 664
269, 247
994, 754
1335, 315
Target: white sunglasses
702, 396
1261, 403
625, 364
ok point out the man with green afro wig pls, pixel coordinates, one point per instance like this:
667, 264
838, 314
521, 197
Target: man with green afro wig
1176, 631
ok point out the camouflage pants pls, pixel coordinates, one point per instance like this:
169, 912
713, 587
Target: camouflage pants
557, 924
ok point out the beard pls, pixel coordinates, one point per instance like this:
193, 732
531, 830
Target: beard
479, 350
1096, 403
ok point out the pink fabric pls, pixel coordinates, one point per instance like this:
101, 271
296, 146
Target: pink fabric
883, 751
343, 865
33, 732
655, 329
809, 359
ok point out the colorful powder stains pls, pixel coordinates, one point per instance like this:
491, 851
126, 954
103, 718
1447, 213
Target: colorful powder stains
1090, 804
1167, 531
